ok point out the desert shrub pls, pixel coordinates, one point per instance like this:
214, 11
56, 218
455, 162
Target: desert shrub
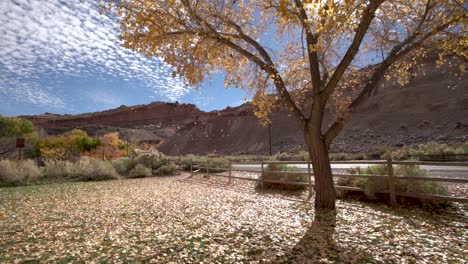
157, 163
218, 165
84, 169
185, 164
164, 170
464, 147
150, 160
271, 174
304, 155
373, 186
212, 155
301, 156
349, 156
99, 170
17, 173
339, 156
7, 171
60, 169
281, 157
434, 148
140, 171
29, 170
401, 154
123, 165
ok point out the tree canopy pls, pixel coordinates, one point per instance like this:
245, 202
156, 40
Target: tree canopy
275, 46
15, 127
310, 54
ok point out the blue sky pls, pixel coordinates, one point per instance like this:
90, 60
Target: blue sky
64, 57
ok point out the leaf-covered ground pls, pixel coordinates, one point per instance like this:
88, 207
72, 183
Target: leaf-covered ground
163, 220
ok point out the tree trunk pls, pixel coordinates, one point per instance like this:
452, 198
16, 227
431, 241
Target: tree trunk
325, 194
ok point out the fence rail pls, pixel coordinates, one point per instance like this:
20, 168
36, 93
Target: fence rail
390, 177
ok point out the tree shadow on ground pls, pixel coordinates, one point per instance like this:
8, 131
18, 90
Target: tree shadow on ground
318, 244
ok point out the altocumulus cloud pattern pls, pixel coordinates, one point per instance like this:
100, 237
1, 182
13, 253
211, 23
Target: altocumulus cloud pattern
43, 41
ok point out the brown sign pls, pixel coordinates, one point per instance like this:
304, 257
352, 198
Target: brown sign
20, 142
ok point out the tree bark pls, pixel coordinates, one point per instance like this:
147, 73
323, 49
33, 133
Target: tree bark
325, 194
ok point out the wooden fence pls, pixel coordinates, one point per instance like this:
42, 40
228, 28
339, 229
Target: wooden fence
259, 168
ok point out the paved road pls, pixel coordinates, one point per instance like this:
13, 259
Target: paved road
436, 171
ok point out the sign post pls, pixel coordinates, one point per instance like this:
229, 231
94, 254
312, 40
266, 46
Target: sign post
20, 146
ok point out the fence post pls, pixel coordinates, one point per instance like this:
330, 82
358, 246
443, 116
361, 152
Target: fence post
191, 168
230, 168
263, 177
391, 183
310, 180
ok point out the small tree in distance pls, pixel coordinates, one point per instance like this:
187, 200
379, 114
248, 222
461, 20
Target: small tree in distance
305, 51
12, 127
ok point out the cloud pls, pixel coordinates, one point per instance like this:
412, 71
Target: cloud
50, 39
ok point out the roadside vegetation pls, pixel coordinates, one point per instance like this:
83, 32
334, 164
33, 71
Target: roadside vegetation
432, 150
374, 187
74, 156
404, 153
274, 173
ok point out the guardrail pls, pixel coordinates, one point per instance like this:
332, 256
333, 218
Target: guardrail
391, 178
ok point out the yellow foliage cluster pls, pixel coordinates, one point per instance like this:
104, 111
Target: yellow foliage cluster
111, 147
304, 52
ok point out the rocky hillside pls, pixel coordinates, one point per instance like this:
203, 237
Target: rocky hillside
433, 106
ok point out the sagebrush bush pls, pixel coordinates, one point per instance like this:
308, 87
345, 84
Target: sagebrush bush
17, 173
60, 169
166, 170
434, 148
373, 186
272, 172
99, 170
124, 165
339, 156
29, 170
145, 164
401, 154
150, 160
140, 171
349, 156
282, 157
185, 164
84, 169
216, 165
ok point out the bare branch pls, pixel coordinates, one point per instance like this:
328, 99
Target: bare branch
397, 53
368, 16
311, 41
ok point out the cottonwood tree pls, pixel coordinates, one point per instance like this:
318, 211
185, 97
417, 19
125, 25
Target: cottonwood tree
308, 53
12, 127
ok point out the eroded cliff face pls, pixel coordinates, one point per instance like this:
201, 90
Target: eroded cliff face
433, 106
158, 113
154, 122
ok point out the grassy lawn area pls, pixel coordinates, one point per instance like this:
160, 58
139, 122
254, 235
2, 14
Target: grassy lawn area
165, 220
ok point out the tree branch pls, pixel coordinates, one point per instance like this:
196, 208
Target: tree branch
311, 41
397, 53
368, 16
